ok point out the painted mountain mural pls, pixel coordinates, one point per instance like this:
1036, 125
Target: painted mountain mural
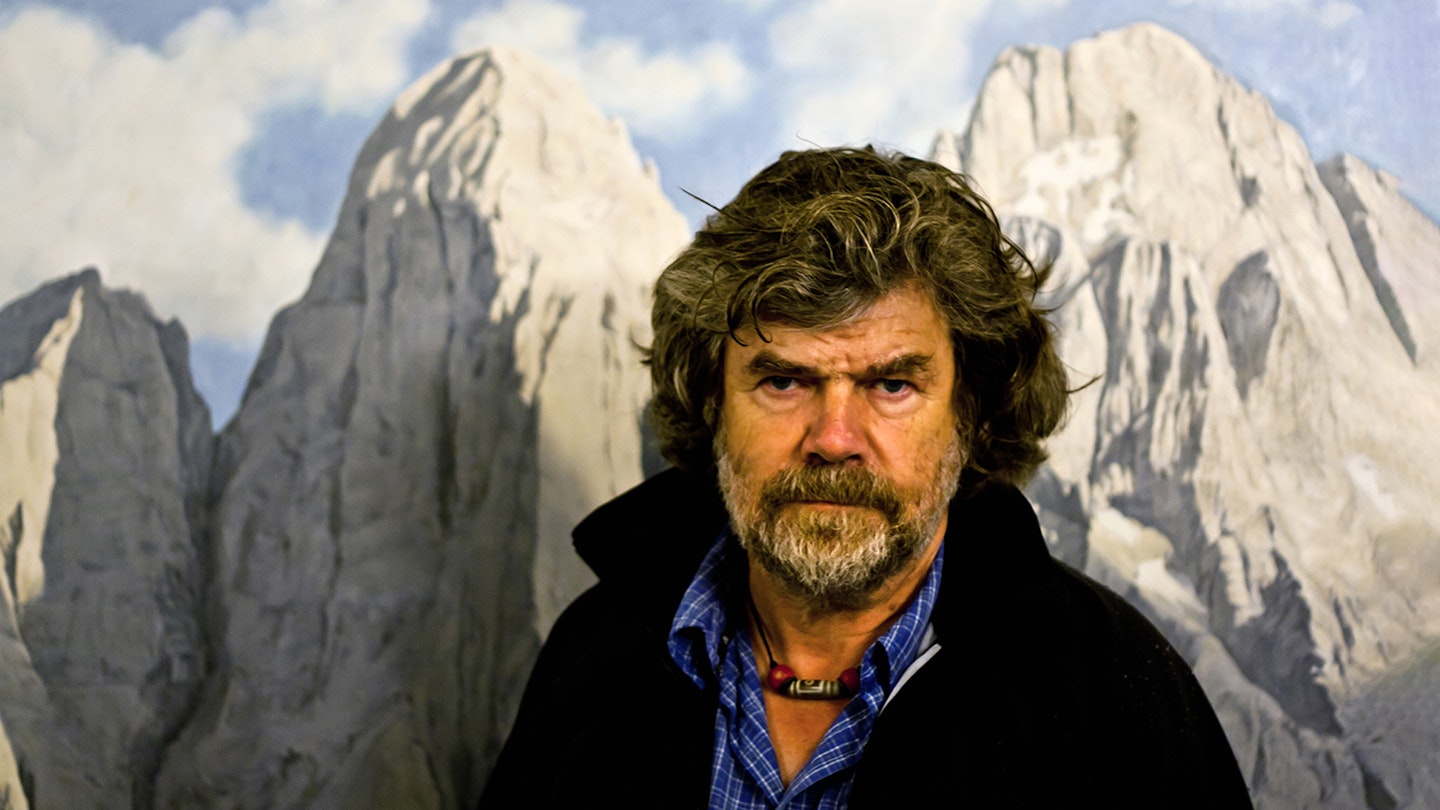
335, 602
1252, 460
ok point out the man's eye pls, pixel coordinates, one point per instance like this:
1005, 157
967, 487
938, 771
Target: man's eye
892, 386
780, 383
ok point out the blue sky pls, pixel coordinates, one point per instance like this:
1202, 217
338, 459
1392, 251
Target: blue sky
198, 151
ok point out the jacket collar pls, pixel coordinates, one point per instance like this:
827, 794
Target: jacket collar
648, 542
996, 558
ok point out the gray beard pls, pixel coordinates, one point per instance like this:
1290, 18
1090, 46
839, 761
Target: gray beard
835, 559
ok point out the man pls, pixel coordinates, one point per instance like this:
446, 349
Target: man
838, 597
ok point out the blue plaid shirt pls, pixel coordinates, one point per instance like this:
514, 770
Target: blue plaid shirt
710, 635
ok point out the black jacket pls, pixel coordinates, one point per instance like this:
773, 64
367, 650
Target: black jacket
1049, 690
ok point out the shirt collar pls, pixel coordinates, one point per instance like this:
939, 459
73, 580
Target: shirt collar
701, 630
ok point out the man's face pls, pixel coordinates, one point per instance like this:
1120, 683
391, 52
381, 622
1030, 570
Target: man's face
838, 450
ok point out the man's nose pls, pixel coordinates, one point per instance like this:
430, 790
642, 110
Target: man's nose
835, 435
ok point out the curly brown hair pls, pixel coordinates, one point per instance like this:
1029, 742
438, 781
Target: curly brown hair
817, 238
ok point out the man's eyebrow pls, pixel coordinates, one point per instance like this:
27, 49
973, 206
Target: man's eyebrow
766, 363
906, 365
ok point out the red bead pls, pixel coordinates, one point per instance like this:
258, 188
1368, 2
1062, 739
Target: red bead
779, 676
851, 679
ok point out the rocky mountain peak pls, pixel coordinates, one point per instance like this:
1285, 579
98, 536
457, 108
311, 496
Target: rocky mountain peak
106, 452
1257, 327
458, 386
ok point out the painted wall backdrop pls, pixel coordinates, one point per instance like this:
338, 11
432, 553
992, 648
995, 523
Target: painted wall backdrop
198, 151
418, 236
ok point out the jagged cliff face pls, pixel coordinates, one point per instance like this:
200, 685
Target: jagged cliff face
106, 452
1253, 462
1395, 243
458, 386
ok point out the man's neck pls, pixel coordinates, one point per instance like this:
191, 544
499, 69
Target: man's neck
821, 645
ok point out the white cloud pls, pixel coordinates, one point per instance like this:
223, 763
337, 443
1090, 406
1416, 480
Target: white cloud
1329, 13
126, 158
860, 71
1335, 15
665, 94
347, 55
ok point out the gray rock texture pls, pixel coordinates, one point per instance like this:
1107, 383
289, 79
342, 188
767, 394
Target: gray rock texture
1254, 459
459, 385
1395, 243
107, 450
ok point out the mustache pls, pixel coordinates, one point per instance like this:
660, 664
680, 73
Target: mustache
848, 486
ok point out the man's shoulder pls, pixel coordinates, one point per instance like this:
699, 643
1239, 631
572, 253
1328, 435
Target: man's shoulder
645, 545
1040, 663
999, 564
1066, 691
1003, 593
668, 520
1090, 610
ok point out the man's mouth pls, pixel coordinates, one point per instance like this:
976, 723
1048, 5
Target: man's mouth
832, 508
834, 490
